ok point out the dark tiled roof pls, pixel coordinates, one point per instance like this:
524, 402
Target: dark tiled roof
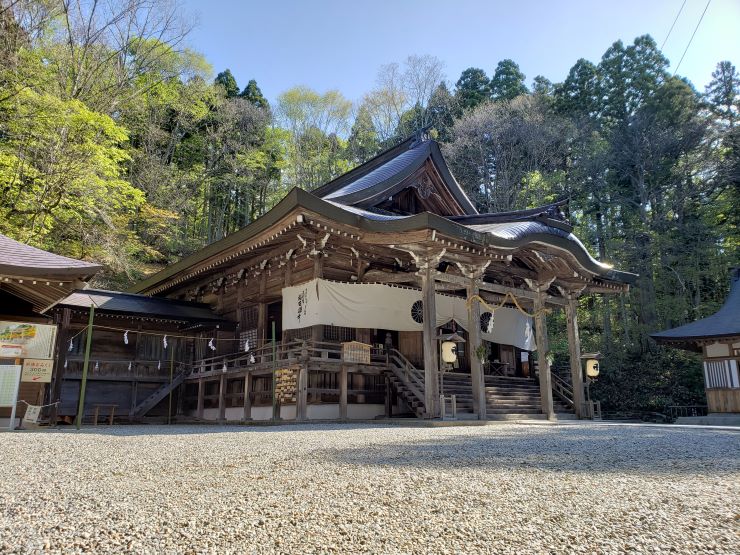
393, 169
130, 304
18, 259
723, 323
374, 181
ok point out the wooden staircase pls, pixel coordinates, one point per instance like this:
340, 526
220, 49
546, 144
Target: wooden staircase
150, 402
407, 381
504, 395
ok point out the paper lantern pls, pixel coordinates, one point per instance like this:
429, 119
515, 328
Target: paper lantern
592, 367
449, 352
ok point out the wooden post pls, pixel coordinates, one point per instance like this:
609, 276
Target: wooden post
343, 391
85, 365
201, 398
431, 383
301, 399
302, 394
388, 403
474, 340
134, 395
574, 348
221, 398
172, 372
55, 391
247, 397
262, 310
540, 324
317, 332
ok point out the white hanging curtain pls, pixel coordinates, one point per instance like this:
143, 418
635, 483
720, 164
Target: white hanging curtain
379, 306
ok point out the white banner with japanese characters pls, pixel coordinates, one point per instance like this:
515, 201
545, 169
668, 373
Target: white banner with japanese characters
380, 306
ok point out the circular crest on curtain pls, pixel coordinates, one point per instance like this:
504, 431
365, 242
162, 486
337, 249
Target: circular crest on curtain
486, 322
417, 312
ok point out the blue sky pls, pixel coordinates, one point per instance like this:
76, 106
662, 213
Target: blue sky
340, 44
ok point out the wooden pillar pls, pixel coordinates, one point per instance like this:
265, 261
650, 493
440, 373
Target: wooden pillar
134, 395
262, 330
222, 398
247, 397
431, 370
343, 392
540, 324
574, 348
301, 409
388, 401
61, 350
201, 398
474, 340
317, 332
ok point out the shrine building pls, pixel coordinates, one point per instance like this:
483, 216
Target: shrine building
383, 293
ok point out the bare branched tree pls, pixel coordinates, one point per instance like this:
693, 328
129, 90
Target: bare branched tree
399, 88
111, 43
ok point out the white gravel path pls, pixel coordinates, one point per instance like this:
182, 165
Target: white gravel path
504, 488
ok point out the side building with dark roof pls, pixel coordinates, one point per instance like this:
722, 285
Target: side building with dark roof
717, 338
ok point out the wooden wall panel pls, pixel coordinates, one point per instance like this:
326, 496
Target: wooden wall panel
723, 400
411, 345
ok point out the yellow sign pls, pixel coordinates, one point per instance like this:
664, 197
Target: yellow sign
26, 340
37, 370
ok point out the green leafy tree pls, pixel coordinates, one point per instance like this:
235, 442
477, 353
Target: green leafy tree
61, 178
508, 81
472, 88
253, 94
228, 83
315, 122
363, 141
441, 113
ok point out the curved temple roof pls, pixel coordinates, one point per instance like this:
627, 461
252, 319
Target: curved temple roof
360, 198
723, 323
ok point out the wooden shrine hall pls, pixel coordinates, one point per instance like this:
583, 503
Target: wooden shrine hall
365, 282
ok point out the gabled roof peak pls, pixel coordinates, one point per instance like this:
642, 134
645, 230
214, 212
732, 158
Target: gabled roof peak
405, 166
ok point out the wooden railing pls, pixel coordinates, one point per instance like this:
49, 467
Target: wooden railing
562, 388
675, 411
412, 377
266, 355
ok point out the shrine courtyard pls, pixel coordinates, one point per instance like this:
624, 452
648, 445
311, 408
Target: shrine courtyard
364, 488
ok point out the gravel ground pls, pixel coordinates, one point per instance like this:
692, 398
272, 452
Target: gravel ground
504, 488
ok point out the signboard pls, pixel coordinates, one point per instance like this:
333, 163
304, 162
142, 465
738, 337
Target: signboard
37, 370
26, 340
10, 377
32, 414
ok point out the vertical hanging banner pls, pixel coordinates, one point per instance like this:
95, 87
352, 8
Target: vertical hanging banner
26, 340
